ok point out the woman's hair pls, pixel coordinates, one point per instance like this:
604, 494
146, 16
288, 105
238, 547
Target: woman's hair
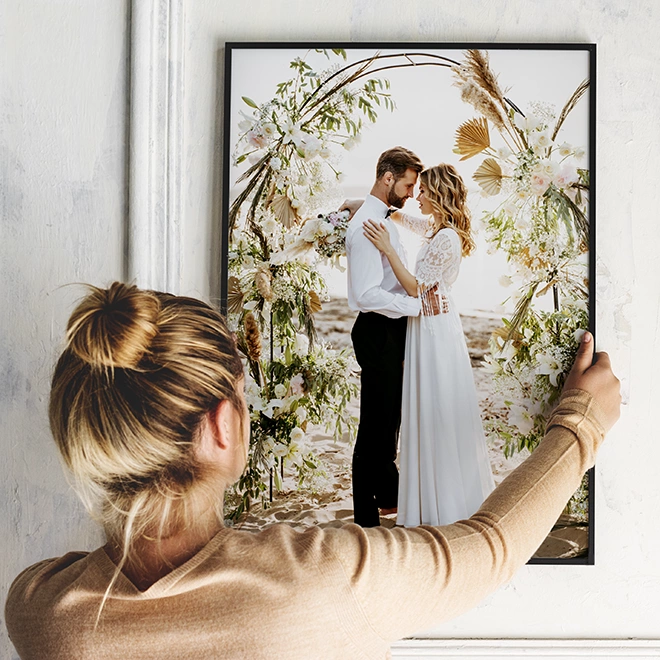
447, 195
130, 391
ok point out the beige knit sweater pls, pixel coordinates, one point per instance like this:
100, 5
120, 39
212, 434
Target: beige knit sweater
336, 593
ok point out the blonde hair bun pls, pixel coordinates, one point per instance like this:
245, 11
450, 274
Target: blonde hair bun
114, 327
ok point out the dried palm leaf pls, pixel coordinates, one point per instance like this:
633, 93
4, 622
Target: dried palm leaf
523, 308
504, 332
314, 302
489, 176
234, 295
262, 281
284, 212
546, 288
472, 138
252, 337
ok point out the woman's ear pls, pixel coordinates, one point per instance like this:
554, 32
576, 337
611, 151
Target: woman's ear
217, 433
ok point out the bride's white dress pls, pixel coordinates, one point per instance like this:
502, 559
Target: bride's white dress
444, 470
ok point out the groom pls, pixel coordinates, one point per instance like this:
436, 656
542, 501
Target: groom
379, 337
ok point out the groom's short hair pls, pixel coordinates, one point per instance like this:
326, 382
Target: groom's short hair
398, 160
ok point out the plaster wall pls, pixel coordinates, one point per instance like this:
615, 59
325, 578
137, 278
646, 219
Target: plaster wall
620, 595
63, 196
63, 99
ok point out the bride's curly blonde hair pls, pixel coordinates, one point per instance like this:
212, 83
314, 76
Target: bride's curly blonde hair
447, 195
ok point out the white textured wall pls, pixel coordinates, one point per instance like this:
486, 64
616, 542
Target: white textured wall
62, 208
63, 98
620, 596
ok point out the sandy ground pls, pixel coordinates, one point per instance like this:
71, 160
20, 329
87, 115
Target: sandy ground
329, 501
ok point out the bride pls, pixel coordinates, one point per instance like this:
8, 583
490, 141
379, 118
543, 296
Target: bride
445, 473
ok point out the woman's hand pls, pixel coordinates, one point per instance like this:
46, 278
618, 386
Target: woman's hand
351, 205
596, 377
377, 233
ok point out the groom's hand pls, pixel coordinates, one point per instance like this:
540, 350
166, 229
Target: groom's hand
596, 377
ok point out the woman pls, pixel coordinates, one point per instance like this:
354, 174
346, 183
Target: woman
148, 412
445, 472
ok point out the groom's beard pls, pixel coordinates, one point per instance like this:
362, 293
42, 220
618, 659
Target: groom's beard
394, 200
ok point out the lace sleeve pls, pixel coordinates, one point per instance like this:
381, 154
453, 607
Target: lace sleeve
436, 270
418, 226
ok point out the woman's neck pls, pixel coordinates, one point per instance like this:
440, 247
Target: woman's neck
152, 559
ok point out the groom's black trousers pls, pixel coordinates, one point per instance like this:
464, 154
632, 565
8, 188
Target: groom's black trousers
379, 344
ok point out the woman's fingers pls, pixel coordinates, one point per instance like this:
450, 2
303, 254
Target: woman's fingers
597, 379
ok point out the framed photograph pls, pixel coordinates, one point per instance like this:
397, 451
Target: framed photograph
306, 125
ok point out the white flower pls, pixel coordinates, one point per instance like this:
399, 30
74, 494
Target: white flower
269, 444
295, 204
269, 226
276, 163
565, 149
245, 125
505, 281
489, 366
292, 133
255, 402
280, 390
255, 157
541, 139
301, 414
521, 419
301, 345
257, 139
350, 144
548, 366
579, 153
549, 167
503, 153
505, 350
325, 152
510, 208
311, 146
528, 123
325, 228
566, 176
273, 404
309, 229
539, 183
250, 305
280, 450
297, 434
269, 129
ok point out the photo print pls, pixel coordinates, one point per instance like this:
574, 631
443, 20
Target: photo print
305, 126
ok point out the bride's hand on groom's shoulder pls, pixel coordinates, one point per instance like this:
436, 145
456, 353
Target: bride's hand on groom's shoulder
377, 233
351, 205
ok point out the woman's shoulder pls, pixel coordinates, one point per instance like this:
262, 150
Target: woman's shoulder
446, 236
36, 596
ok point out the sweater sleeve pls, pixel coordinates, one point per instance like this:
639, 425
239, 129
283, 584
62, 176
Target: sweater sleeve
408, 580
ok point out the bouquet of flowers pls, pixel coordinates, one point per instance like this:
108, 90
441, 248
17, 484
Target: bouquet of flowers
327, 233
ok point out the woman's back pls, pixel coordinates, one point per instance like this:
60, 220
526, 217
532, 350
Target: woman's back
337, 592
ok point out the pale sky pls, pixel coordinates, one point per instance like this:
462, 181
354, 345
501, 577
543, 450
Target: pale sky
428, 112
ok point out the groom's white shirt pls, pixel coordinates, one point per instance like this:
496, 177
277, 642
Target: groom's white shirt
372, 284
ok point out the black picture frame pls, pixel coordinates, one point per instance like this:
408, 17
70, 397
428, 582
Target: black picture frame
589, 48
